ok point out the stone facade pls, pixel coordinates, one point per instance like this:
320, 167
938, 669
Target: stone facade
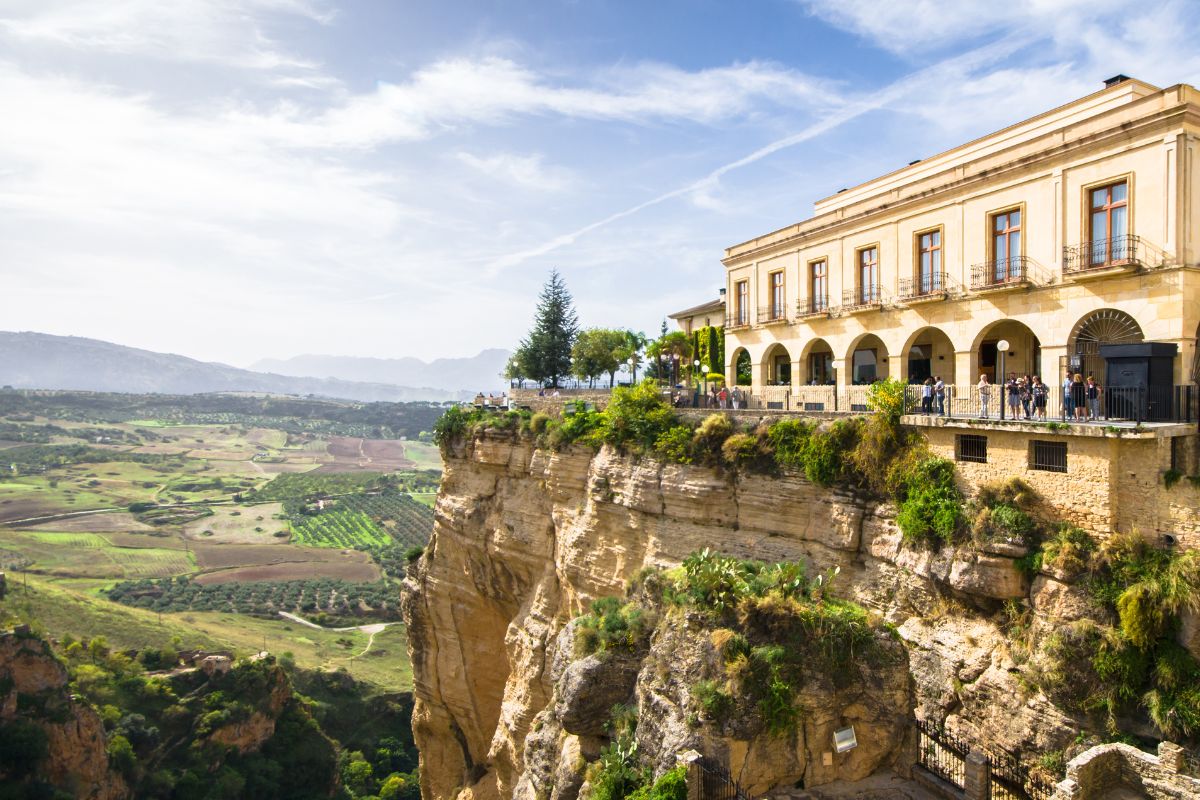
1044, 169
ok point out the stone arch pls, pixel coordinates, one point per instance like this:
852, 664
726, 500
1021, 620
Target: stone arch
1100, 327
740, 370
816, 363
1024, 354
866, 360
776, 366
928, 353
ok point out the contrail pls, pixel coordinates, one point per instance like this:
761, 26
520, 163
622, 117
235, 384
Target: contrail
879, 99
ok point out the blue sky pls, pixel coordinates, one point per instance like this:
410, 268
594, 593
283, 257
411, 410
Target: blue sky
237, 179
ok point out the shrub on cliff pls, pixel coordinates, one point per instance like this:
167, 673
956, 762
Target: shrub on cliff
930, 504
825, 452
611, 625
635, 417
789, 438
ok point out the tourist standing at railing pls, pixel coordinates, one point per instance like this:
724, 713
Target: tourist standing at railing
939, 394
1093, 391
1012, 393
1027, 396
724, 397
985, 395
1067, 398
1039, 391
1078, 396
927, 396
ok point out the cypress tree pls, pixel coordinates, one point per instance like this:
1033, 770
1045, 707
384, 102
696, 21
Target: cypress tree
545, 353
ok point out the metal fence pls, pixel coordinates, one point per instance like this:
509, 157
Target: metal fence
717, 784
1011, 781
942, 753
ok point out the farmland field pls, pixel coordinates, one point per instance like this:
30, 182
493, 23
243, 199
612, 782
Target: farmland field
239, 511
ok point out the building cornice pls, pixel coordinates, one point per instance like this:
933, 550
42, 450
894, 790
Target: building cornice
1181, 117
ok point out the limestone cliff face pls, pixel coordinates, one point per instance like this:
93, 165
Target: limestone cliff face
33, 686
525, 538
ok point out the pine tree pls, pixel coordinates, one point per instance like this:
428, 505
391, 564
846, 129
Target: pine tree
545, 354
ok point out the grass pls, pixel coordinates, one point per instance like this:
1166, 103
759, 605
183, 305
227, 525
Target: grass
95, 555
424, 455
73, 607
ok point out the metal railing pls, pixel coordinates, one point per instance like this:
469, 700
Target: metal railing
861, 298
812, 307
1179, 403
998, 273
936, 284
942, 753
1117, 251
1009, 780
736, 321
772, 315
717, 784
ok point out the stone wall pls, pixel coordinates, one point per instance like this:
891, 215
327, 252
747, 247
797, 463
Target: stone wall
1104, 771
546, 404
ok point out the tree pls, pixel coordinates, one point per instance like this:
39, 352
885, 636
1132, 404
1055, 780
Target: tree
598, 351
674, 347
545, 354
631, 351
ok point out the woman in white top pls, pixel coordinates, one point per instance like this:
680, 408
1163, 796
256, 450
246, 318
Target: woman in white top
985, 395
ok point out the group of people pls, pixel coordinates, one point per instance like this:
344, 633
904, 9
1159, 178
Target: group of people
717, 397
933, 396
1026, 397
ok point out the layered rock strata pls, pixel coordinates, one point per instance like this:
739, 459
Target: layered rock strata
526, 538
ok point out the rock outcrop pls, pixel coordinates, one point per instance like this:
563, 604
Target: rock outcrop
33, 689
526, 538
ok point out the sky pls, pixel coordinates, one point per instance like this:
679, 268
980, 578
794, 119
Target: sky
240, 179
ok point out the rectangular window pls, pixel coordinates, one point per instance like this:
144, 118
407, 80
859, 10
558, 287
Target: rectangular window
929, 262
818, 286
970, 447
1048, 456
1109, 230
742, 308
868, 275
1006, 246
777, 295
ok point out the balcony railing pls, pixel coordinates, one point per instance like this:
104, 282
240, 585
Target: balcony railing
936, 284
999, 273
860, 299
812, 307
732, 323
1119, 251
772, 316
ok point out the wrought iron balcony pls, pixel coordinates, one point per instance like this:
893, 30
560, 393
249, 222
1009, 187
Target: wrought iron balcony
1000, 273
772, 316
926, 287
812, 307
861, 299
1119, 251
732, 323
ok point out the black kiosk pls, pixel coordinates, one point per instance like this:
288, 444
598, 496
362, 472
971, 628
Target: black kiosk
1140, 380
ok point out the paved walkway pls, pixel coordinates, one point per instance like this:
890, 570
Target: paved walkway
880, 786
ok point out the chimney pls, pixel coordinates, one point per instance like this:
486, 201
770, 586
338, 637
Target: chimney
1114, 80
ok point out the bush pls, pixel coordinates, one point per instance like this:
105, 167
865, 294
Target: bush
675, 444
788, 439
825, 452
611, 625
930, 510
1068, 550
742, 450
709, 438
636, 416
672, 785
713, 701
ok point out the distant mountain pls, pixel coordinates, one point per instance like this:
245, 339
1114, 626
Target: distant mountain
478, 373
42, 361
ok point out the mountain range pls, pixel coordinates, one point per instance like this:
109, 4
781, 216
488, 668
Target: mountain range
479, 372
31, 360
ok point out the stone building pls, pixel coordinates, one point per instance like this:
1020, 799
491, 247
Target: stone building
1074, 229
703, 315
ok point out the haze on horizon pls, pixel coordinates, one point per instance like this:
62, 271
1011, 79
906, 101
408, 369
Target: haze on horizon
240, 179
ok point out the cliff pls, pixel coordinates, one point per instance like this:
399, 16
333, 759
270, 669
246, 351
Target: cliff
526, 538
69, 753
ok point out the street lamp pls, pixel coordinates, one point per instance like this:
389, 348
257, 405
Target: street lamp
1002, 346
632, 370
696, 391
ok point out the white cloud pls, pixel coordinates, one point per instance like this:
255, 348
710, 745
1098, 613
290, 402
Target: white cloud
528, 171
454, 94
230, 32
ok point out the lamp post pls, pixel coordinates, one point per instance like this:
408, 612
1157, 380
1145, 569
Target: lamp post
1002, 346
696, 389
632, 370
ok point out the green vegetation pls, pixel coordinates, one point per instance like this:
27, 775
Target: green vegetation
612, 626
544, 355
324, 597
1110, 670
312, 485
366, 522
38, 458
292, 414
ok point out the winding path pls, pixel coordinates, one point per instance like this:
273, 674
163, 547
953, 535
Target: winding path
370, 630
